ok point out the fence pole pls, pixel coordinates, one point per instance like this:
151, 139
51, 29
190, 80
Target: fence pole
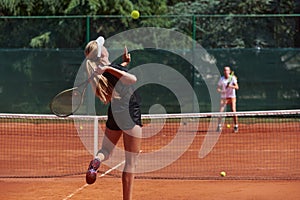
87, 29
194, 30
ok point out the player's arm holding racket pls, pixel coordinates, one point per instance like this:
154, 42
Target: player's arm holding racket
232, 83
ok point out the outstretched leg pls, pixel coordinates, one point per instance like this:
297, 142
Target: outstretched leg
108, 144
132, 144
235, 118
223, 104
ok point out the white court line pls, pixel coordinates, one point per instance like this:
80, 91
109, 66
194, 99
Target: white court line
85, 185
72, 194
115, 167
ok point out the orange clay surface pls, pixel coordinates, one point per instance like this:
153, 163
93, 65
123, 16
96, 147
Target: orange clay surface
256, 151
110, 188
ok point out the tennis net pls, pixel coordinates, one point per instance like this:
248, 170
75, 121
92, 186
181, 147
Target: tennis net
177, 146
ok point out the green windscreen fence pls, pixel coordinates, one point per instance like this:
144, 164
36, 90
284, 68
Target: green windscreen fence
40, 56
268, 79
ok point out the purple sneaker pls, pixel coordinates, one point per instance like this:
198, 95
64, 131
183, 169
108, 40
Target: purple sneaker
91, 174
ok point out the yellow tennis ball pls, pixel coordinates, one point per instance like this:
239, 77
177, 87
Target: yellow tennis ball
135, 14
228, 125
81, 127
222, 173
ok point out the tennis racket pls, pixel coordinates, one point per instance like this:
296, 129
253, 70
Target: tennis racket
230, 79
69, 101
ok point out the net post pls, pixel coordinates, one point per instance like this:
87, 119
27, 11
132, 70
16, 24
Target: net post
95, 136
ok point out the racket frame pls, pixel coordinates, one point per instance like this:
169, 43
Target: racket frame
83, 84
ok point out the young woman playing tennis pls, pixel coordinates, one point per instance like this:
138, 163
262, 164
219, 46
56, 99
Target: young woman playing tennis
113, 85
227, 88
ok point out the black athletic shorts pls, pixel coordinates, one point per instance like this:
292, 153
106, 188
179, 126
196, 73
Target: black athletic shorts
123, 113
124, 119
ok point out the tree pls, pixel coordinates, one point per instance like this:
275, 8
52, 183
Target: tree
65, 32
237, 32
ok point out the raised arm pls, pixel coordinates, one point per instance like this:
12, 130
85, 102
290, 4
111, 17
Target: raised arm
126, 57
125, 77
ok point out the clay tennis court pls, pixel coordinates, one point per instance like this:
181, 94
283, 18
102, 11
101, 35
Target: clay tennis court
110, 188
261, 161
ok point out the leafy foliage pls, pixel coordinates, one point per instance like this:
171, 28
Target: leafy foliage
41, 40
238, 32
212, 32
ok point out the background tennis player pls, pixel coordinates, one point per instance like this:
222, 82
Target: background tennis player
227, 87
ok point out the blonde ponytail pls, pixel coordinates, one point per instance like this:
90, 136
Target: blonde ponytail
102, 88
